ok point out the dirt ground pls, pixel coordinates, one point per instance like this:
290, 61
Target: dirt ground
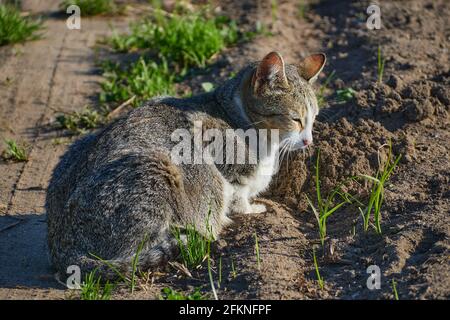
410, 108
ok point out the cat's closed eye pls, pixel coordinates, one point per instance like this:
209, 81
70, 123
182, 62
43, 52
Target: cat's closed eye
299, 121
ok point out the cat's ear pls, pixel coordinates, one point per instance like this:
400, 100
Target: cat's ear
311, 66
270, 72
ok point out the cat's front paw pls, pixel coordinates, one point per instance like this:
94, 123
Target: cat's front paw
245, 207
257, 208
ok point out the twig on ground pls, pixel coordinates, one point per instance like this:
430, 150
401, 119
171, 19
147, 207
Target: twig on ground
12, 225
117, 110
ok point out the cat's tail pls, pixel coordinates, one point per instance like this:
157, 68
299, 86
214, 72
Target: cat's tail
122, 268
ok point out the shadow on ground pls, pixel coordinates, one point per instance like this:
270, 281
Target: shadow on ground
23, 252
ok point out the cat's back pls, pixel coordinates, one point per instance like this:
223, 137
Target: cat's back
128, 141
140, 131
152, 124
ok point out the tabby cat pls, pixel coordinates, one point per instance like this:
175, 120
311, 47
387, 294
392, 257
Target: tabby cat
120, 187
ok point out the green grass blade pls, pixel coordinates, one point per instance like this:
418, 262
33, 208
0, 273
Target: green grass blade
112, 267
319, 198
316, 266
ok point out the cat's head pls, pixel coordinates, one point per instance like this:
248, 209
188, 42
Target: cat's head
280, 96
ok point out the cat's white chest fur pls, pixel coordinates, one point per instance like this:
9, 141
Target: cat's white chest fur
251, 186
260, 181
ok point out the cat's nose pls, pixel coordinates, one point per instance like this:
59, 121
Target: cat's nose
306, 142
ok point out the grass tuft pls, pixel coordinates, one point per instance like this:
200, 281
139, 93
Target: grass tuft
93, 7
131, 281
15, 28
186, 40
171, 294
233, 269
80, 122
316, 266
194, 249
142, 79
14, 152
193, 246
394, 289
169, 43
176, 42
135, 264
345, 95
377, 191
380, 64
92, 289
325, 207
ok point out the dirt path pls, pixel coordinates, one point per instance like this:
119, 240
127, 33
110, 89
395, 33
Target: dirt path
55, 73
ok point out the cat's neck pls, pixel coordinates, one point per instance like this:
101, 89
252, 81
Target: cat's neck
231, 99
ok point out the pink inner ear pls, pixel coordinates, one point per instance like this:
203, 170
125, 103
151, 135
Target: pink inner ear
312, 65
270, 71
269, 66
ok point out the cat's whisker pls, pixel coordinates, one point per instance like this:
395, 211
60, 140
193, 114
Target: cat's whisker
256, 122
291, 144
286, 156
285, 150
325, 117
282, 153
326, 114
